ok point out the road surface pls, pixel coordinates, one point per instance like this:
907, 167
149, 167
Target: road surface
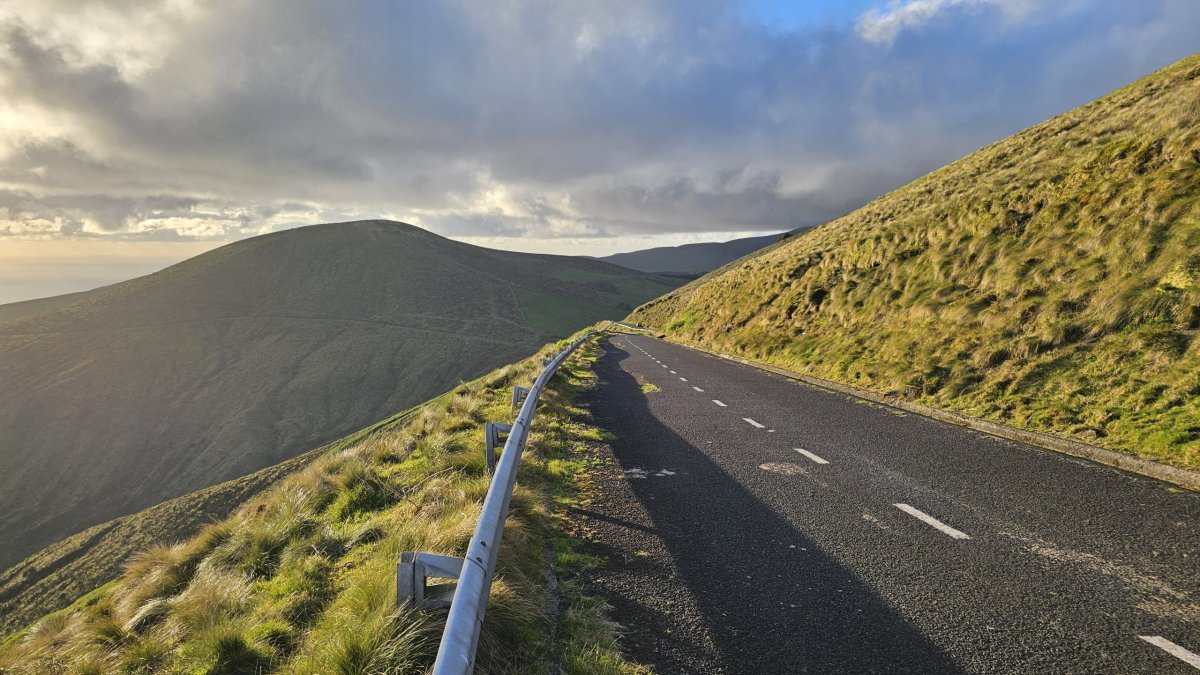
753, 524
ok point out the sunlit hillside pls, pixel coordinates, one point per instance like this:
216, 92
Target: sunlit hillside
1050, 280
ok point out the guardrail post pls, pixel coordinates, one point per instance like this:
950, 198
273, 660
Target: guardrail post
491, 434
518, 397
413, 574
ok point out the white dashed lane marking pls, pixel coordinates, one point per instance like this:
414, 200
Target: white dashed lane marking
718, 403
672, 372
752, 423
698, 389
683, 379
1190, 658
930, 520
811, 456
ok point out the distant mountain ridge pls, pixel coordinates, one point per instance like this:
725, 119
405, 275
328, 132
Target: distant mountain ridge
692, 260
252, 353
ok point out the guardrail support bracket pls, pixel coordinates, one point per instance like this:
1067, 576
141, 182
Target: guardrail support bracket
491, 433
519, 394
414, 572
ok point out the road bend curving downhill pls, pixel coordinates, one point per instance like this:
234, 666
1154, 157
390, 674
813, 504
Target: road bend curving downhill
753, 524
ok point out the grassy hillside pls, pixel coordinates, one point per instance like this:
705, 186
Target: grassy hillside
55, 576
1051, 281
255, 352
302, 578
690, 260
27, 308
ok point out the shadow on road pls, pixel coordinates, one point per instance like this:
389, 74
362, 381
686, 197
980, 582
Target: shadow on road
769, 597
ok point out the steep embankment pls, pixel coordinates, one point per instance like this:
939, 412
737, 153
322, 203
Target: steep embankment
302, 578
1051, 280
248, 355
55, 576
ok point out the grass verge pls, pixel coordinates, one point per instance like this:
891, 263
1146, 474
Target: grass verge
301, 578
53, 577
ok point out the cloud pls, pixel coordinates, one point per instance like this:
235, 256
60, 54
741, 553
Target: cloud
882, 25
169, 119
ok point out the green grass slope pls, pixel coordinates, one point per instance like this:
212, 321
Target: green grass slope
253, 353
1050, 280
27, 308
301, 579
55, 576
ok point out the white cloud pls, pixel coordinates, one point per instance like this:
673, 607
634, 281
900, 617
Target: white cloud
132, 37
882, 26
535, 121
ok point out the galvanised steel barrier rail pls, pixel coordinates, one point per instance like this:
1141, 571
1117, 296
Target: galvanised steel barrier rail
638, 327
468, 601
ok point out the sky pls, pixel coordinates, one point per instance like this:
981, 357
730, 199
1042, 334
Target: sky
134, 133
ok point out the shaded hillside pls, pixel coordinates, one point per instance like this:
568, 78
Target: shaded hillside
27, 308
691, 260
301, 579
1051, 280
55, 576
247, 355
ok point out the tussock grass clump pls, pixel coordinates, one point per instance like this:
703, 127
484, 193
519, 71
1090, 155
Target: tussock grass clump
301, 579
1050, 280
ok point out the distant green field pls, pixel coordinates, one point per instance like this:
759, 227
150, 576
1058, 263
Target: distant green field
614, 297
581, 276
624, 288
556, 316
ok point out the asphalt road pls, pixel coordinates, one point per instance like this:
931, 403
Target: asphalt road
753, 524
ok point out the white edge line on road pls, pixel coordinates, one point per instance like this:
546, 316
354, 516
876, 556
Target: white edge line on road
930, 520
1190, 658
698, 389
753, 423
719, 403
810, 455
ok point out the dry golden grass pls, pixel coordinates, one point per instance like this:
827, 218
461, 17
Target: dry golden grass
301, 579
1050, 280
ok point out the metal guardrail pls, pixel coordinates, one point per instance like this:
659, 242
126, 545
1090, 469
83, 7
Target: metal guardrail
629, 326
468, 600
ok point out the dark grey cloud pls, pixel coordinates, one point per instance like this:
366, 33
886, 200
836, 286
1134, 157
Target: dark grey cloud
536, 118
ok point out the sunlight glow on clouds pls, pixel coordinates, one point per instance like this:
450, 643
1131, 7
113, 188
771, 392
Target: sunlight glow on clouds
547, 125
882, 25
